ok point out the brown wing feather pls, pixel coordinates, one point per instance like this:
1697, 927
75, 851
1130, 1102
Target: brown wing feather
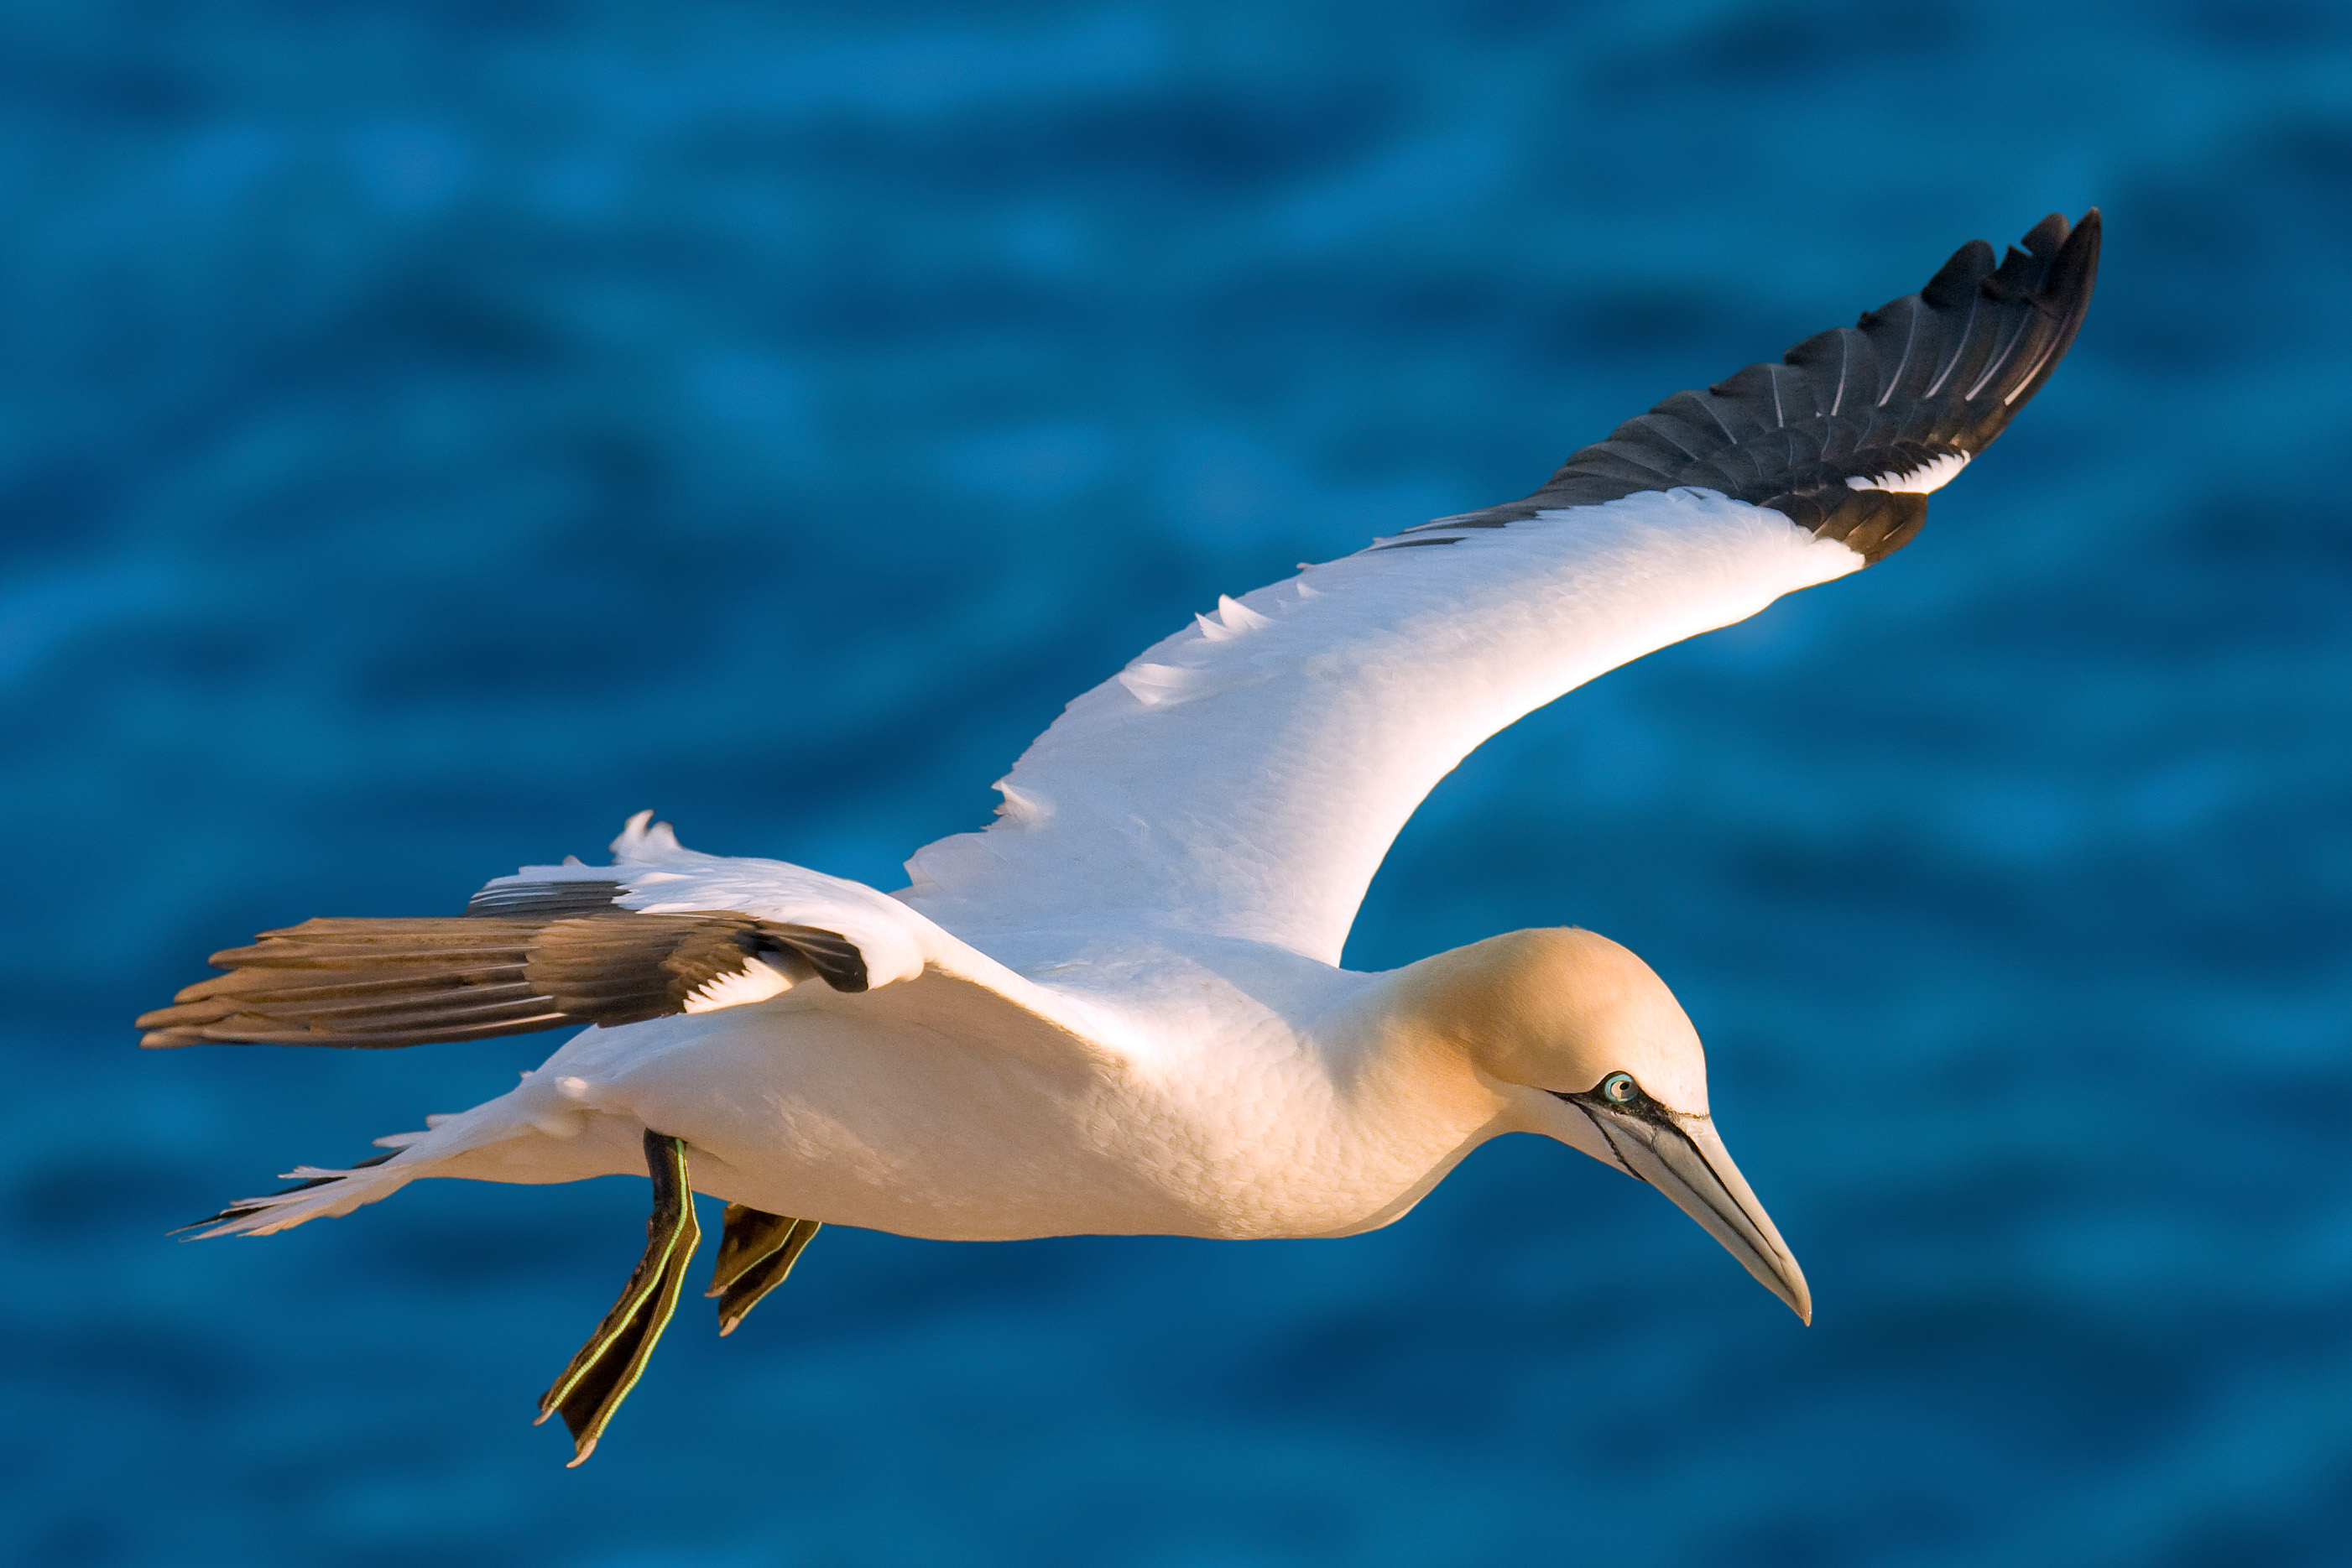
397, 982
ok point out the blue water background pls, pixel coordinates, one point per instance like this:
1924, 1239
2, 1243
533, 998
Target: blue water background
432, 432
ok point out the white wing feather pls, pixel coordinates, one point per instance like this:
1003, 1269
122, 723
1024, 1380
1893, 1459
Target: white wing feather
1243, 778
928, 971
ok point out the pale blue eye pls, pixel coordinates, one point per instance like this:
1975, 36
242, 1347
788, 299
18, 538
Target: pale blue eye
1617, 1088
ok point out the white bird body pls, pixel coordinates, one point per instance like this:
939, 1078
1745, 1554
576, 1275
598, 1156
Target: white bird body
987, 1123
1118, 1010
1124, 1015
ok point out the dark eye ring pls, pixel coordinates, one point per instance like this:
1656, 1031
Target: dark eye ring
1618, 1088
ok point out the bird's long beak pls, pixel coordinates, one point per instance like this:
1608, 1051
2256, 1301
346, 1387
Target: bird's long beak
1683, 1157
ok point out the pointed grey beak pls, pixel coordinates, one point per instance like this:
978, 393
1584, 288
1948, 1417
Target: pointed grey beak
1682, 1157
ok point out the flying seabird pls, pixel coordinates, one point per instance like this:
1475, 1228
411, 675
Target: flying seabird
1119, 1009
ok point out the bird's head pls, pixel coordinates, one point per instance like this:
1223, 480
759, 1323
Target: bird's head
1589, 1047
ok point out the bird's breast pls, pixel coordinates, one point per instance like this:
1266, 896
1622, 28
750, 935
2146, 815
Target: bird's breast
1234, 1129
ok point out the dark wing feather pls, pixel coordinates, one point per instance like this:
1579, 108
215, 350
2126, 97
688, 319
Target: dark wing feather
568, 895
1934, 374
396, 982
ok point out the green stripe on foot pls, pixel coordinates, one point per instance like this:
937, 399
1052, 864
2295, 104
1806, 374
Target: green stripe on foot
593, 1386
755, 1255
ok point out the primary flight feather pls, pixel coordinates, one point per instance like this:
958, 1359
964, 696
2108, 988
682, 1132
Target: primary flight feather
1119, 1008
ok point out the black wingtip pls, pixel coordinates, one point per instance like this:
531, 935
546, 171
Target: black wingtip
2047, 236
1850, 430
1958, 279
2068, 275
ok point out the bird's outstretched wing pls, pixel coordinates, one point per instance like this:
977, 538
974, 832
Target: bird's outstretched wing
1243, 778
662, 931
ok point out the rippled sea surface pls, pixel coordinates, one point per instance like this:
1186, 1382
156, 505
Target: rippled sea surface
430, 432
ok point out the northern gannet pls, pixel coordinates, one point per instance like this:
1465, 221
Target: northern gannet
1119, 1008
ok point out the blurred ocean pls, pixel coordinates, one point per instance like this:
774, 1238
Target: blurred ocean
431, 432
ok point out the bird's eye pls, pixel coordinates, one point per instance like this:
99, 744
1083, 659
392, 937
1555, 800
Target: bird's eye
1618, 1088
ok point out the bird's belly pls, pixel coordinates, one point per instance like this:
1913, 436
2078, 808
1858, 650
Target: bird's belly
819, 1117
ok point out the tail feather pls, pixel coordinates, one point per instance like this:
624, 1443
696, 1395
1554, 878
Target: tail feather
318, 1192
505, 1139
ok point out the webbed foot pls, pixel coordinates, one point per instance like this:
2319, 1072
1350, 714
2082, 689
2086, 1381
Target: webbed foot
755, 1253
614, 1357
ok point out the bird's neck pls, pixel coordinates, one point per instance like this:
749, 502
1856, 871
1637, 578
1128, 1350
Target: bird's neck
1408, 1042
